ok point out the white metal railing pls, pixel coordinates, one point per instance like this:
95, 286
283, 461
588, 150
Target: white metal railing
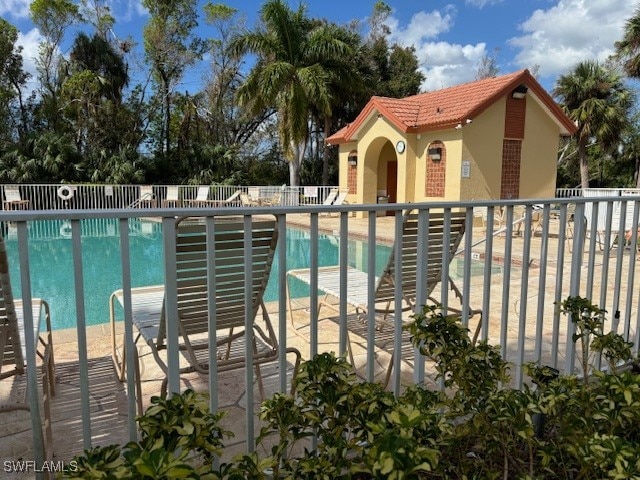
89, 197
558, 253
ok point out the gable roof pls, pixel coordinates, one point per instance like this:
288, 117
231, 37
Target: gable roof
448, 107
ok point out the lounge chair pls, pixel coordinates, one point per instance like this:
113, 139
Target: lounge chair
610, 238
331, 196
482, 213
148, 303
13, 200
246, 201
385, 288
202, 199
340, 199
276, 199
232, 201
147, 197
12, 347
172, 200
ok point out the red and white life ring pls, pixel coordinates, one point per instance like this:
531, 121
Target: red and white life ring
65, 192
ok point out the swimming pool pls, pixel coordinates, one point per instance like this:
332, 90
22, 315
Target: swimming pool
51, 263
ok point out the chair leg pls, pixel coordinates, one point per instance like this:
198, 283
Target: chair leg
47, 393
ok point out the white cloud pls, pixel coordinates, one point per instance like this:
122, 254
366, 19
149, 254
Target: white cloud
15, 8
449, 64
443, 64
422, 26
482, 3
127, 10
569, 32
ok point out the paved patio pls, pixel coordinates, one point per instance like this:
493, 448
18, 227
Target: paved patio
108, 396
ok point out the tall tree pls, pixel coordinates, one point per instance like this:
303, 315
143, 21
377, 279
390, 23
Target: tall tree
290, 74
12, 81
628, 49
395, 69
595, 98
52, 17
171, 46
346, 84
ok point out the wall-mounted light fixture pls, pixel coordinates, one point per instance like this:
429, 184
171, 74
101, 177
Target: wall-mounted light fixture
435, 154
353, 159
458, 126
520, 91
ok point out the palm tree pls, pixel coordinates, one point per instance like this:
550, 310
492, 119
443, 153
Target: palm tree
597, 100
628, 49
291, 74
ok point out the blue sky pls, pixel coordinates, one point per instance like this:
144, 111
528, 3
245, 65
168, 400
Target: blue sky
450, 37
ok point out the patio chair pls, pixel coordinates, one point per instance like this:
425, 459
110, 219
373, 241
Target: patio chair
202, 198
246, 201
385, 288
340, 199
147, 197
172, 200
12, 347
482, 213
148, 303
232, 201
13, 200
277, 197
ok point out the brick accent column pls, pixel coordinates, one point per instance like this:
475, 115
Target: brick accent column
352, 178
511, 157
436, 172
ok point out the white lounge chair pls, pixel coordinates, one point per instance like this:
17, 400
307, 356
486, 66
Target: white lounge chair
194, 294
202, 199
172, 200
386, 289
147, 198
13, 200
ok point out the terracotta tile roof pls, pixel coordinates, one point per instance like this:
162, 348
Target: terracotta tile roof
447, 107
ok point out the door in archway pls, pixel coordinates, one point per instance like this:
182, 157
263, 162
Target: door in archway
392, 183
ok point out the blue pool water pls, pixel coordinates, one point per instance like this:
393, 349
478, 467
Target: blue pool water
51, 263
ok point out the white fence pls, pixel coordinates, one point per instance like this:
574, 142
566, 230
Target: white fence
89, 197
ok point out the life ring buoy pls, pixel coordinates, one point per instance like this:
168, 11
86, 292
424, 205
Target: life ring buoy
65, 192
65, 229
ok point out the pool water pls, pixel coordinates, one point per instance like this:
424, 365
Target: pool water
51, 263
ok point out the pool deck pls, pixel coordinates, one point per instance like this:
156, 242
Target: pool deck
108, 408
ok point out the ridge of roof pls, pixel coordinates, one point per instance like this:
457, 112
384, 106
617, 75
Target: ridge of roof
449, 106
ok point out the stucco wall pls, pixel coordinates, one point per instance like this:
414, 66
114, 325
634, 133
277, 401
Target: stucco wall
539, 168
483, 148
452, 140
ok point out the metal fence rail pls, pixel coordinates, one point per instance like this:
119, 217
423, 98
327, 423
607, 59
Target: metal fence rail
543, 251
88, 197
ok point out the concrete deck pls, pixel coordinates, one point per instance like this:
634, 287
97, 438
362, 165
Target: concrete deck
108, 396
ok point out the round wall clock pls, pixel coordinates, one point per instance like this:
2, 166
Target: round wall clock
400, 146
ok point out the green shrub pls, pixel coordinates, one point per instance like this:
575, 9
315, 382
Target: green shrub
337, 427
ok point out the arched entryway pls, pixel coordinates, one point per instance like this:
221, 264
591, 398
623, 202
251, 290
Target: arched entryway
380, 175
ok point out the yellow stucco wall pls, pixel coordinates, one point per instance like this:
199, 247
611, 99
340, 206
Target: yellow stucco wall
483, 148
452, 140
478, 143
539, 166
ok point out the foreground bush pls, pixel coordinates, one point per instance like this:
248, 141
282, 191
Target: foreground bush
561, 427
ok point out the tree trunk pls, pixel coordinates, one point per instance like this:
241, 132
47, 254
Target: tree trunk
584, 162
325, 151
295, 162
294, 173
